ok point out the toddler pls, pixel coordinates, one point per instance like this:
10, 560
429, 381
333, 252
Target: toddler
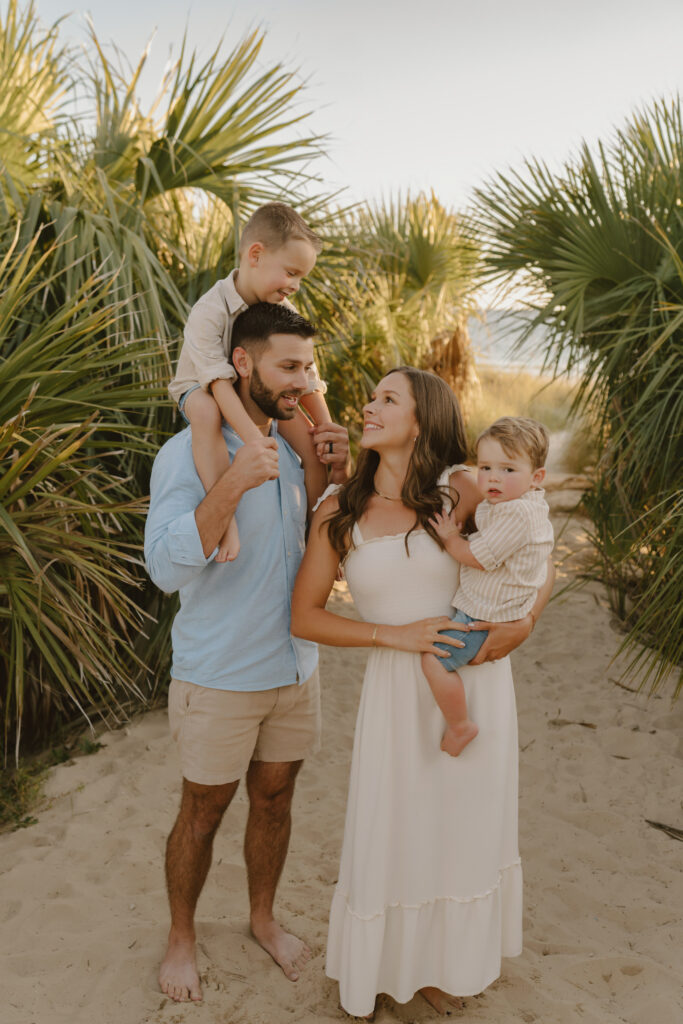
503, 563
277, 250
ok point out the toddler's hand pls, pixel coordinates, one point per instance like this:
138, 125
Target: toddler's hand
446, 525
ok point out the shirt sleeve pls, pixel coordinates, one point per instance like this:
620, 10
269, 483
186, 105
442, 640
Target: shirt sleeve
173, 547
205, 330
498, 540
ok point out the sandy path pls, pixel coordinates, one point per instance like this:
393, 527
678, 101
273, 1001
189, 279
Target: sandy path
83, 914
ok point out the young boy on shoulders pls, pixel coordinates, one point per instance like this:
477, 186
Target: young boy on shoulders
277, 250
503, 564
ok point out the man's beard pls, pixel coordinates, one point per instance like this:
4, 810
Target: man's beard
267, 400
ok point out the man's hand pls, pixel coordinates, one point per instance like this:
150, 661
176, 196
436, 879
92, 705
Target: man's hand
503, 637
255, 462
333, 440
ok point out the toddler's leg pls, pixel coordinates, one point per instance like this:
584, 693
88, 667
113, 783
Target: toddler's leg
296, 433
449, 694
211, 458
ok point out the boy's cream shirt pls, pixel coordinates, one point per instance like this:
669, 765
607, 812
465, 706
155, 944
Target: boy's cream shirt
205, 355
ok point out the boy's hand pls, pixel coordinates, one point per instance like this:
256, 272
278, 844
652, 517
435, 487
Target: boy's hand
332, 446
446, 525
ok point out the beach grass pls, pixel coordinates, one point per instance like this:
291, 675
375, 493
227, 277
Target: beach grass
519, 392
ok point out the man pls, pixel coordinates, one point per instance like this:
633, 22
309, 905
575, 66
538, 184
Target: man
244, 694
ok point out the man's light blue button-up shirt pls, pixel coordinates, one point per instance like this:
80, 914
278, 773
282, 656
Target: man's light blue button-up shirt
232, 630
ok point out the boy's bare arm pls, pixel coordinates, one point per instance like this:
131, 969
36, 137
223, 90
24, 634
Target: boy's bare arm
233, 411
254, 463
315, 405
459, 549
456, 546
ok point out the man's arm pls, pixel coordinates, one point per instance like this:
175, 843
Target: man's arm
183, 529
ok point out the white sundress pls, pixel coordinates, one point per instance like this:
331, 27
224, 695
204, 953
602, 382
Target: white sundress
430, 880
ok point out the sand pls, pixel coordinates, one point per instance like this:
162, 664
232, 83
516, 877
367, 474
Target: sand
83, 916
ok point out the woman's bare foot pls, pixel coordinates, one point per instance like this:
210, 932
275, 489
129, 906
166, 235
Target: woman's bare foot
229, 545
441, 1001
290, 953
178, 974
456, 738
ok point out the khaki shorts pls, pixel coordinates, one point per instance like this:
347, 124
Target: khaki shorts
219, 732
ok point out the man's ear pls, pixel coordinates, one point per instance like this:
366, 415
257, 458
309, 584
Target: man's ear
242, 361
538, 476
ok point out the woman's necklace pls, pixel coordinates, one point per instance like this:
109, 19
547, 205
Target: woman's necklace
386, 497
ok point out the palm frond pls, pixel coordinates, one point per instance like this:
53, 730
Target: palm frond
600, 247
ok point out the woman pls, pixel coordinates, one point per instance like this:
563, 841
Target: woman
429, 890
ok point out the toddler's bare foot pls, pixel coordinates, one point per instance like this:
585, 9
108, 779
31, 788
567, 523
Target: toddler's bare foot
178, 975
229, 547
456, 738
441, 1001
290, 953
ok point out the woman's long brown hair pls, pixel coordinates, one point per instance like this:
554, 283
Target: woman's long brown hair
440, 443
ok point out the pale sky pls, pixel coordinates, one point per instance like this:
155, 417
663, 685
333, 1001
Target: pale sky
421, 94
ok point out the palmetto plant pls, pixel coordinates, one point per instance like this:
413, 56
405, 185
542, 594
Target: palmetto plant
600, 248
405, 297
69, 619
98, 261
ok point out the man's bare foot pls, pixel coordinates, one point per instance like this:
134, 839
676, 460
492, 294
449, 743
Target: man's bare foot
441, 1001
229, 545
178, 975
290, 953
456, 738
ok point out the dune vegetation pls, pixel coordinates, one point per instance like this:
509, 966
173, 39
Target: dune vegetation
112, 224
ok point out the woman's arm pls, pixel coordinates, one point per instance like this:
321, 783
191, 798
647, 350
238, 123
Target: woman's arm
506, 636
311, 620
466, 494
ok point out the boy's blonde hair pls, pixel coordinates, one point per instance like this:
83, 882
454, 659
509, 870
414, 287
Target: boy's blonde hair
274, 224
519, 436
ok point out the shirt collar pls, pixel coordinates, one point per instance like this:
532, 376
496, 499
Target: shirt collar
236, 303
273, 432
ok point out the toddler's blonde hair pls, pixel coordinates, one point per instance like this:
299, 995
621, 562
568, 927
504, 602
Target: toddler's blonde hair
517, 435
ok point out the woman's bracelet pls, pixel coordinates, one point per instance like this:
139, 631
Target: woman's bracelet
374, 636
533, 621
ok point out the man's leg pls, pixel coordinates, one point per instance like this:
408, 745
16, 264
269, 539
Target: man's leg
188, 858
270, 787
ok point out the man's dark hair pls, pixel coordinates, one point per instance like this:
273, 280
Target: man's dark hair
253, 328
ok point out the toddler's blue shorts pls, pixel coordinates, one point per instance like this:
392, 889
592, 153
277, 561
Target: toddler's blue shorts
459, 656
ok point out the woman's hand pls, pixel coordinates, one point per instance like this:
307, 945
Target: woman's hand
503, 637
420, 637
